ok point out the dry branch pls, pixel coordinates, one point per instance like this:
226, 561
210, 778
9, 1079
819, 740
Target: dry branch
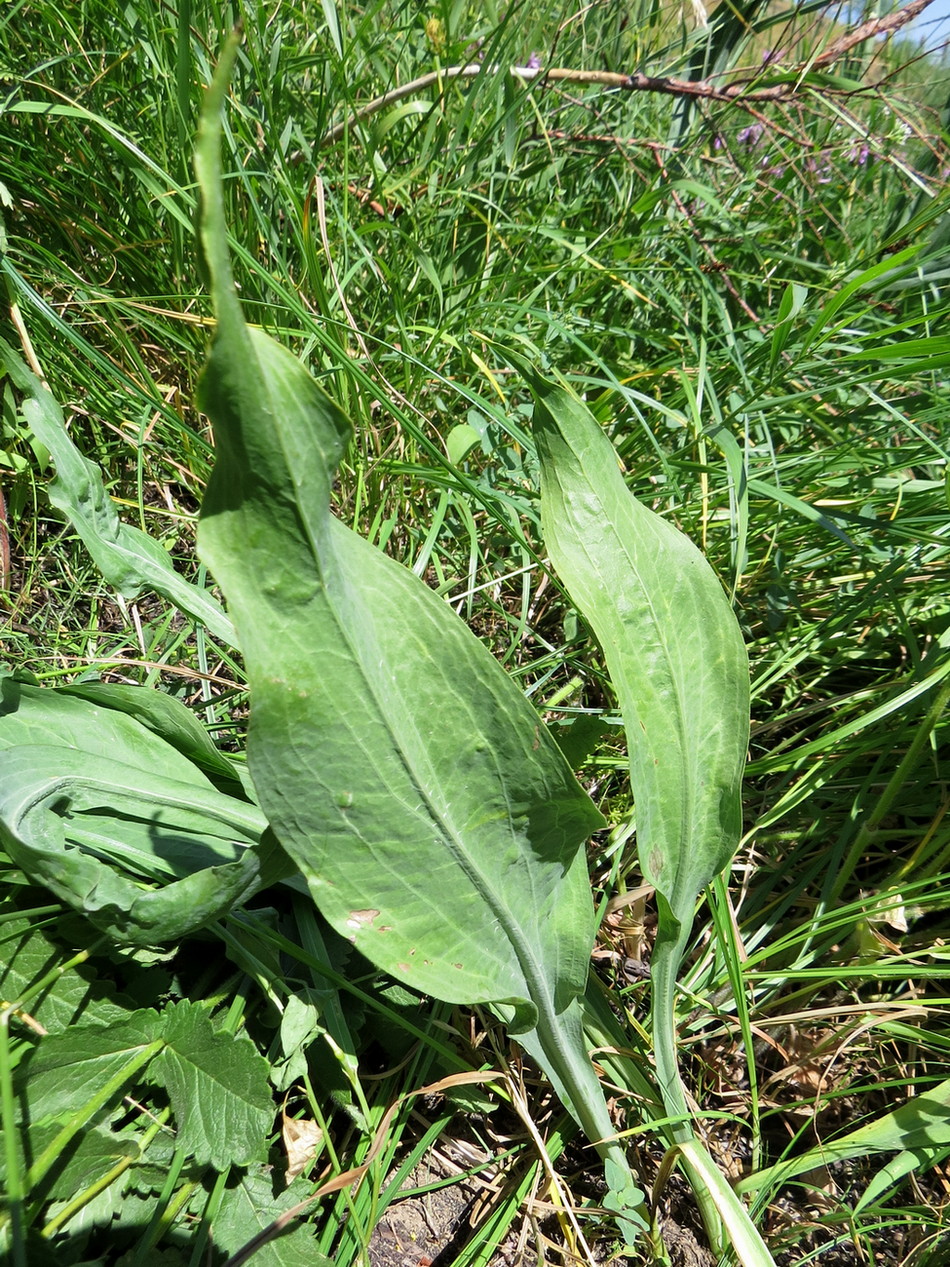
793, 76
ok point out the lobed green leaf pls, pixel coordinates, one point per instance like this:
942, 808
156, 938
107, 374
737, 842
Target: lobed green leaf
218, 1087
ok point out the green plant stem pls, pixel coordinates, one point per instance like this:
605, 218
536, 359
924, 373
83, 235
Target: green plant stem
557, 1045
913, 754
885, 802
63, 1216
726, 1219
667, 956
15, 1185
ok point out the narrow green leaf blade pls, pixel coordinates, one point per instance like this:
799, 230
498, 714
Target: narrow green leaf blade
922, 1123
128, 558
672, 644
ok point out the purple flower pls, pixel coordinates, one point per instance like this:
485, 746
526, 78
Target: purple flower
859, 153
772, 55
534, 62
821, 169
751, 135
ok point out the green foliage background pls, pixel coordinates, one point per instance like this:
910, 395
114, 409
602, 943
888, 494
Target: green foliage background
752, 302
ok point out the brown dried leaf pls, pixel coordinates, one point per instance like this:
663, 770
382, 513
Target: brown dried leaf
302, 1138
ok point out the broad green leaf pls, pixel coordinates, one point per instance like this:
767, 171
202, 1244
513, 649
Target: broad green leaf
217, 1084
96, 1153
65, 1070
678, 664
436, 822
249, 1206
27, 955
104, 1210
120, 824
140, 727
97, 833
168, 718
672, 645
128, 558
216, 1081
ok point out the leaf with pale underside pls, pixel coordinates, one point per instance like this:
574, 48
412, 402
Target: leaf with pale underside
436, 822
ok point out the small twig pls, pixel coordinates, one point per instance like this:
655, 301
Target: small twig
869, 30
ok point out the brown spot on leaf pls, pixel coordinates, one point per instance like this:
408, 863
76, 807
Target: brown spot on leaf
360, 919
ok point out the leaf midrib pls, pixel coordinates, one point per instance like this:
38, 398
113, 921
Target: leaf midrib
535, 979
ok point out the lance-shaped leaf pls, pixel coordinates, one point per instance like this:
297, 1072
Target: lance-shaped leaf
436, 822
673, 648
678, 664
